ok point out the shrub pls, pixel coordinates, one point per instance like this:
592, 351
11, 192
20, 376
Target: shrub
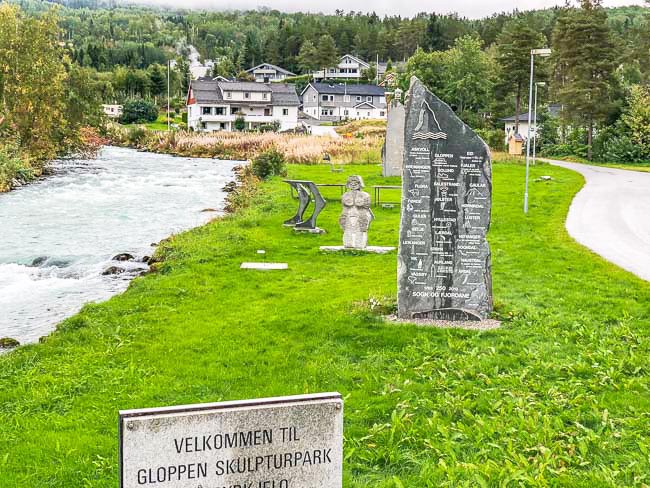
136, 135
139, 111
272, 127
622, 149
12, 167
240, 123
269, 163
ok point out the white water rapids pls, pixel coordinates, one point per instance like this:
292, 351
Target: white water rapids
59, 234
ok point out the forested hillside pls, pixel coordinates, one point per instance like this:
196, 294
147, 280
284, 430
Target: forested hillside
480, 67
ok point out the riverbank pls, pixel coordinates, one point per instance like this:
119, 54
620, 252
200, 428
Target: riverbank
557, 396
296, 148
61, 235
19, 167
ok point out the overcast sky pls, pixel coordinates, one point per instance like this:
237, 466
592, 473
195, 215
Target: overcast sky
466, 8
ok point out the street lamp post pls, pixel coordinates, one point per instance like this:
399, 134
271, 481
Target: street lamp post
534, 52
537, 85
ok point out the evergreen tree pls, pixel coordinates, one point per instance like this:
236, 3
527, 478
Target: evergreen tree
514, 46
326, 54
585, 62
158, 80
307, 57
184, 76
434, 35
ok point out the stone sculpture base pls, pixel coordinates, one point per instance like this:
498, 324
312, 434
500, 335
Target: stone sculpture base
447, 314
317, 230
369, 249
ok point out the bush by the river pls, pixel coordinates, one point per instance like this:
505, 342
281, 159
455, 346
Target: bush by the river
139, 111
269, 163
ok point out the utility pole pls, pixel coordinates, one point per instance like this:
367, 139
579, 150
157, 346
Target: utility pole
168, 92
534, 52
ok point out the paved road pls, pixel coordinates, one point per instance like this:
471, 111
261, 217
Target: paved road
611, 215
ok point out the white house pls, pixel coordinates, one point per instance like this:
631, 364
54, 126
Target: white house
112, 111
509, 122
349, 67
334, 102
215, 105
266, 72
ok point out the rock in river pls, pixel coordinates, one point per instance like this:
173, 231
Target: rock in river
113, 270
8, 343
125, 256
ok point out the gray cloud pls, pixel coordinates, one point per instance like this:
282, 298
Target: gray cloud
466, 8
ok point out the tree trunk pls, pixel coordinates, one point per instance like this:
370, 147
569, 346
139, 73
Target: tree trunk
517, 108
590, 140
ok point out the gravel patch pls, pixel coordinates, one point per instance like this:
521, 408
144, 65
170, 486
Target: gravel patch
488, 324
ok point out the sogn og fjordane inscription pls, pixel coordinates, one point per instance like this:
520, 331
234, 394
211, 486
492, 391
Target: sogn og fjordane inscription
444, 268
288, 442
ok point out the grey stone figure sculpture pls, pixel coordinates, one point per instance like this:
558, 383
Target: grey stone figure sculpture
444, 263
307, 191
356, 216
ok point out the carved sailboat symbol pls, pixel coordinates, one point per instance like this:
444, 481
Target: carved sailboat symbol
423, 135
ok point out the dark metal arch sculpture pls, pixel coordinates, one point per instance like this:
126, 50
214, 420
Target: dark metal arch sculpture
307, 191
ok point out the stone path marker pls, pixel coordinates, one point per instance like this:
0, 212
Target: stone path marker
286, 442
393, 150
444, 267
264, 266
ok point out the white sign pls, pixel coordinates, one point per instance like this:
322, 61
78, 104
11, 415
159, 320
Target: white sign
285, 442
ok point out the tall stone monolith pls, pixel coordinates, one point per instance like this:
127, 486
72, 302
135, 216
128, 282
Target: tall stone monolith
444, 264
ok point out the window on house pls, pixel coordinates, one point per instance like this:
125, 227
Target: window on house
228, 95
368, 114
346, 112
206, 110
265, 96
219, 111
382, 114
233, 110
353, 70
346, 98
285, 111
325, 98
368, 99
247, 95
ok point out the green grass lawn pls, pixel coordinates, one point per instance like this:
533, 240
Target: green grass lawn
559, 396
160, 123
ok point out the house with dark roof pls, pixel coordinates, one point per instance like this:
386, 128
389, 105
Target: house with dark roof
215, 105
510, 122
334, 102
267, 72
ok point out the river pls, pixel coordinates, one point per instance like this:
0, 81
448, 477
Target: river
59, 234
